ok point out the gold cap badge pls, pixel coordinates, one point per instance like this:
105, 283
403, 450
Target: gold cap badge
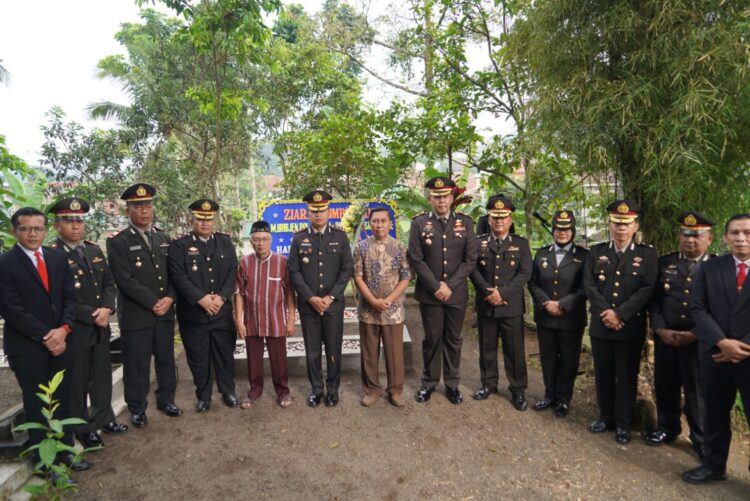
690, 220
623, 208
141, 191
439, 183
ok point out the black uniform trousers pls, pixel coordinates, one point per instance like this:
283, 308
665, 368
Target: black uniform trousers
616, 365
210, 351
137, 347
100, 381
92, 379
560, 354
677, 369
721, 382
39, 368
509, 331
441, 346
319, 330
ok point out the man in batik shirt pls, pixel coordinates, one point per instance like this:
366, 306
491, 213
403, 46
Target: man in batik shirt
381, 273
264, 311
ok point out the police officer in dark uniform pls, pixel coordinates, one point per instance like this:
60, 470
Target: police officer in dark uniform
320, 266
138, 259
676, 365
559, 311
501, 273
619, 279
203, 269
442, 251
91, 371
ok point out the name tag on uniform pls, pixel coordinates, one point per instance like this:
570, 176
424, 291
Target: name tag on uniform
603, 258
97, 259
513, 248
333, 243
135, 247
671, 272
164, 245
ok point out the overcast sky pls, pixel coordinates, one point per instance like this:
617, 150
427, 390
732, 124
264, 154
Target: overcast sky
51, 47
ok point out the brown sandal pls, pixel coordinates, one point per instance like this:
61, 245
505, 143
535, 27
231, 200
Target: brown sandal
285, 401
246, 403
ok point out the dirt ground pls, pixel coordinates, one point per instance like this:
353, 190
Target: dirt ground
477, 450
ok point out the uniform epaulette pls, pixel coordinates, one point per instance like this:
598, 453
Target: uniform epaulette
156, 228
118, 233
337, 229
223, 233
89, 242
54, 245
300, 231
415, 216
181, 235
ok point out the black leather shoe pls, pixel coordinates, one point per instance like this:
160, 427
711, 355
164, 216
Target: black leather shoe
622, 436
659, 437
91, 439
139, 419
561, 409
80, 465
332, 399
202, 406
423, 395
229, 400
542, 404
314, 399
701, 475
454, 395
483, 393
170, 409
600, 426
115, 427
519, 402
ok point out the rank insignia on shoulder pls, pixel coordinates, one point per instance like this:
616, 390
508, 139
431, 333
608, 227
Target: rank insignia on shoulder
415, 216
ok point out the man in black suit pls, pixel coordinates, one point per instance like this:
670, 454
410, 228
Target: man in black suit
502, 271
203, 268
619, 278
676, 364
138, 259
720, 305
320, 266
559, 311
37, 302
442, 252
91, 375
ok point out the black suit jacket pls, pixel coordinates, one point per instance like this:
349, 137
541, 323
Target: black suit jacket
563, 283
624, 284
197, 269
141, 275
320, 268
29, 311
444, 253
508, 269
718, 310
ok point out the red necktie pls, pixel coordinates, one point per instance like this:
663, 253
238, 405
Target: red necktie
42, 269
741, 276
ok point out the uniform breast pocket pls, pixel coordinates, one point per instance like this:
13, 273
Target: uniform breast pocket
511, 259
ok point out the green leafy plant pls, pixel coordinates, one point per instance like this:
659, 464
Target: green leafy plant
56, 476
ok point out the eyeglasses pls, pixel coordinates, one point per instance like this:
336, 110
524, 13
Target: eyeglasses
31, 229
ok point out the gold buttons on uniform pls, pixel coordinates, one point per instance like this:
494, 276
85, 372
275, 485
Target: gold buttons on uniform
208, 258
614, 294
682, 316
156, 265
210, 269
321, 274
445, 262
684, 303
161, 289
688, 279
686, 291
617, 284
554, 282
159, 278
445, 249
617, 272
